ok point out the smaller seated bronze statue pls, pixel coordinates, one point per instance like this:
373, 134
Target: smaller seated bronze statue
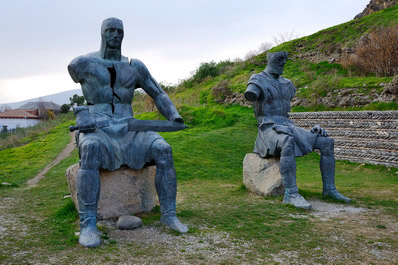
278, 137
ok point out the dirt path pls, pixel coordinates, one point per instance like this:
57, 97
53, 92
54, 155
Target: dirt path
61, 156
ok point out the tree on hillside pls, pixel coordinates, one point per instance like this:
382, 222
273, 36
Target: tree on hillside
282, 37
65, 108
376, 53
76, 99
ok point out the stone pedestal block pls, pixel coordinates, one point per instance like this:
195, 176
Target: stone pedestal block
262, 176
123, 191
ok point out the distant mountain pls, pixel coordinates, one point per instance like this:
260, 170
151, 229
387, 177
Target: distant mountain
58, 98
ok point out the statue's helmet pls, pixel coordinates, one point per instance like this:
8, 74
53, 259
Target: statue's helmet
108, 23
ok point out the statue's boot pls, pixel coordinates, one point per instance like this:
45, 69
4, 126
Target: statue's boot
287, 168
296, 200
327, 165
166, 186
87, 186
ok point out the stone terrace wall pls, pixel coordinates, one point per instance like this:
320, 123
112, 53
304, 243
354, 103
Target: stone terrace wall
360, 136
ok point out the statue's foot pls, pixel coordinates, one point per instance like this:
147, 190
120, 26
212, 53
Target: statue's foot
335, 195
296, 200
89, 235
171, 221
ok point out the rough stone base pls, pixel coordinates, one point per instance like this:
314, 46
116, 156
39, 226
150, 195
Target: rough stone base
262, 176
123, 191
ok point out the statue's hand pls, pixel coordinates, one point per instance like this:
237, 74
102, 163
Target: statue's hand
319, 130
283, 129
88, 126
85, 122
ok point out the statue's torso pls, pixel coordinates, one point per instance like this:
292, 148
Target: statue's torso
274, 100
108, 86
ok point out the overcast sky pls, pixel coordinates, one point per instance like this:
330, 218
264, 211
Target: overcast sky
40, 37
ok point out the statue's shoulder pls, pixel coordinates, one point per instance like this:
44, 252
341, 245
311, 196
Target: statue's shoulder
84, 59
256, 79
260, 80
288, 84
139, 67
285, 80
79, 64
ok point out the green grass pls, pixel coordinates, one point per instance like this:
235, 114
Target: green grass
208, 162
21, 163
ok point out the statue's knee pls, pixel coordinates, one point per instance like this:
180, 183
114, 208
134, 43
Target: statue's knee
89, 147
288, 146
161, 149
327, 146
89, 155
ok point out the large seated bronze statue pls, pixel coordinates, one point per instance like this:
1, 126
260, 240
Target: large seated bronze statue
108, 80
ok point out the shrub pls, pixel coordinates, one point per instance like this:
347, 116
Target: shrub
65, 108
323, 85
376, 53
220, 90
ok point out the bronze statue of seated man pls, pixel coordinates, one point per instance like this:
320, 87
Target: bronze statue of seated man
108, 80
278, 137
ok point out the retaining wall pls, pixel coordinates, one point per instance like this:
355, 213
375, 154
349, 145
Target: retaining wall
360, 136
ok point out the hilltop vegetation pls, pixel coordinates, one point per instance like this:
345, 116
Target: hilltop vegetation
320, 66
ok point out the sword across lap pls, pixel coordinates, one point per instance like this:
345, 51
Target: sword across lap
143, 125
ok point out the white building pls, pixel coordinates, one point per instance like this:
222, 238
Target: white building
18, 118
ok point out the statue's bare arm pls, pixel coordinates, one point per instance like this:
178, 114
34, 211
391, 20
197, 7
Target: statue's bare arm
153, 89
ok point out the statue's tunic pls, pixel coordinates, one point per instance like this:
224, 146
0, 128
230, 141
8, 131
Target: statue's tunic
271, 109
108, 87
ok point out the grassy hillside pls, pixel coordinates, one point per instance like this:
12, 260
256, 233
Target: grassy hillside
315, 79
39, 223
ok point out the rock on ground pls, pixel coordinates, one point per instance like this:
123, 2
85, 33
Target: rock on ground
123, 191
126, 222
262, 176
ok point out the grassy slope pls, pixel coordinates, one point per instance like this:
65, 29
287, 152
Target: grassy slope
312, 78
21, 163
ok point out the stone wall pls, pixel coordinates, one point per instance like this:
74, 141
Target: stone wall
360, 136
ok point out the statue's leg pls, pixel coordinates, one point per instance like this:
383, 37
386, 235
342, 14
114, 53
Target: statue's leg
88, 189
327, 166
166, 185
287, 168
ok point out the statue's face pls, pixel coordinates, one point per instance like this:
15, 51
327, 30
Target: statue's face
277, 64
114, 37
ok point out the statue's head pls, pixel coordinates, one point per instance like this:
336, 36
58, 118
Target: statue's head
111, 34
276, 63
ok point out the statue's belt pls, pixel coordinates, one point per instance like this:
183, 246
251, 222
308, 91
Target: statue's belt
143, 125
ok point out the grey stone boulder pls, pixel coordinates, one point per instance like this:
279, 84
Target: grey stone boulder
126, 222
262, 176
122, 192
